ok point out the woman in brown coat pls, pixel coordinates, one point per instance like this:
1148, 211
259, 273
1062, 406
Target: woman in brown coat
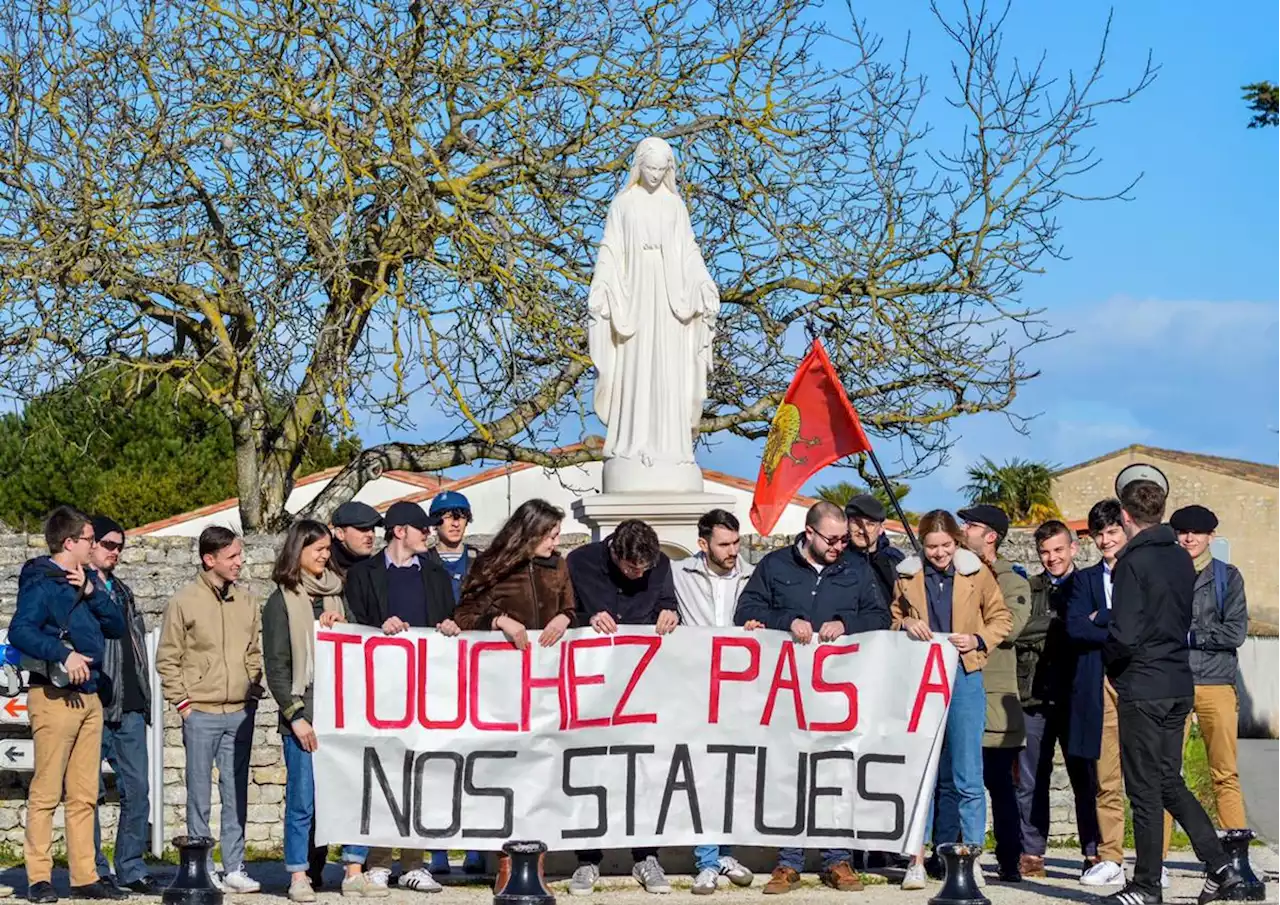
520, 582
951, 592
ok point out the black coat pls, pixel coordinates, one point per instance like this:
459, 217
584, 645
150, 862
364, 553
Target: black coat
785, 587
884, 565
1152, 589
599, 587
367, 596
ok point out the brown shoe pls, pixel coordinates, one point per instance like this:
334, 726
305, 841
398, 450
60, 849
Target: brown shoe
1032, 866
842, 877
784, 879
503, 875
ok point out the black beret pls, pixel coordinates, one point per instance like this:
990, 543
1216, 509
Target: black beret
866, 506
991, 516
1195, 519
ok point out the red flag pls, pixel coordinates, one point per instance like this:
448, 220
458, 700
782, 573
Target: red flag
814, 426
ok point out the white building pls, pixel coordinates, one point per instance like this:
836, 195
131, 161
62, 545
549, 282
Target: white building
494, 494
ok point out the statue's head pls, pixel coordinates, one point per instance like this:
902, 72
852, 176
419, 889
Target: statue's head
653, 165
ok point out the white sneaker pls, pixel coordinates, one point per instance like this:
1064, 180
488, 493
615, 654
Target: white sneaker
649, 874
378, 876
914, 877
1104, 873
584, 879
705, 883
419, 880
239, 881
737, 874
1165, 880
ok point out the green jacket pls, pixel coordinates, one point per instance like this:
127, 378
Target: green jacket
1005, 727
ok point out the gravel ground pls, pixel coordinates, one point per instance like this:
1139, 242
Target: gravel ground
880, 888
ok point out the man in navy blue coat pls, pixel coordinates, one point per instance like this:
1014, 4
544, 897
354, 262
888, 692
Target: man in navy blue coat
1093, 726
63, 618
809, 589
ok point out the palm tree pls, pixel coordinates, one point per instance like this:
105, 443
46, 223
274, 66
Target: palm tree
1023, 489
842, 492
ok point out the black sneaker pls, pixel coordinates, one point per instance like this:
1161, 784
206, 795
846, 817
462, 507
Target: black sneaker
1010, 873
1132, 895
99, 890
934, 868
42, 893
146, 886
1217, 883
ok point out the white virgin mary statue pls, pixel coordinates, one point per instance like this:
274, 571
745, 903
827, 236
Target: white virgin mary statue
653, 308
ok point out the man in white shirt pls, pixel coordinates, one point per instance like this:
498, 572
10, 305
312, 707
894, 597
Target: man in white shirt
1095, 721
707, 588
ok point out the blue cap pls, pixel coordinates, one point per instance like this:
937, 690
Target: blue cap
448, 501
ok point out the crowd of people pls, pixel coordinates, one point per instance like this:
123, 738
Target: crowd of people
1105, 663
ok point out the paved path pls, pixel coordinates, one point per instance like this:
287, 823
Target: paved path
1062, 884
1259, 763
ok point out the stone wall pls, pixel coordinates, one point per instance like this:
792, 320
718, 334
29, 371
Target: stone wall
155, 567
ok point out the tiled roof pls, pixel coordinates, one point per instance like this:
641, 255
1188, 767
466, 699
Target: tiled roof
1236, 468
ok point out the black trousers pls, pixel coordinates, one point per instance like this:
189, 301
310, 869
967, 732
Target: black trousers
1046, 732
1151, 760
595, 855
1006, 821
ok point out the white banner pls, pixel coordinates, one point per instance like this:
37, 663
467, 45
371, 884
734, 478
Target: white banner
634, 739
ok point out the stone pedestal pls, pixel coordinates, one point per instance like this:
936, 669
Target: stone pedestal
674, 516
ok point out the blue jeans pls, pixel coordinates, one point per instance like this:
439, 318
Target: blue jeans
794, 857
708, 856
124, 746
961, 797
300, 813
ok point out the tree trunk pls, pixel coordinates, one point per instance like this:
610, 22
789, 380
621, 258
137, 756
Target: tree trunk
261, 480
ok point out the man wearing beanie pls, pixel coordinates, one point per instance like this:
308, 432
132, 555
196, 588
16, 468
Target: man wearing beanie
1219, 620
126, 710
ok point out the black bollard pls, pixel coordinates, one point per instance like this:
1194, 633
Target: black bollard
958, 886
1236, 842
524, 886
192, 885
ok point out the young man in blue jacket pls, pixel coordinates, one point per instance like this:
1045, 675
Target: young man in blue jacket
810, 590
63, 618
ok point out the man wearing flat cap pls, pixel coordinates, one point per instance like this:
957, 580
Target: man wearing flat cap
867, 539
985, 528
399, 588
1219, 620
353, 527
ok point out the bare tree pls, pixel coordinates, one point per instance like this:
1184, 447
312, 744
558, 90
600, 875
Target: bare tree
312, 213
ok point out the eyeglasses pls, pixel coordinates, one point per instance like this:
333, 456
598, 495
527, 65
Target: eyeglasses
86, 538
112, 546
835, 540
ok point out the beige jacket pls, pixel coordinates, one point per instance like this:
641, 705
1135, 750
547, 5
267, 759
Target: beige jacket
977, 608
210, 653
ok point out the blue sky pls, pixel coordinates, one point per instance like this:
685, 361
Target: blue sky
1183, 278
1171, 297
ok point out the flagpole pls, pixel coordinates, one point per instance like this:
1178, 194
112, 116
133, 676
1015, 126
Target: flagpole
897, 507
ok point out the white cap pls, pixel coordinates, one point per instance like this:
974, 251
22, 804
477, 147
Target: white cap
1141, 471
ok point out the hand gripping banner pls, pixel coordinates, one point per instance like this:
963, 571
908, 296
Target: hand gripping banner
612, 741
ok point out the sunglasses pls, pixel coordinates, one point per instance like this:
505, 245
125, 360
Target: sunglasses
835, 540
112, 546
